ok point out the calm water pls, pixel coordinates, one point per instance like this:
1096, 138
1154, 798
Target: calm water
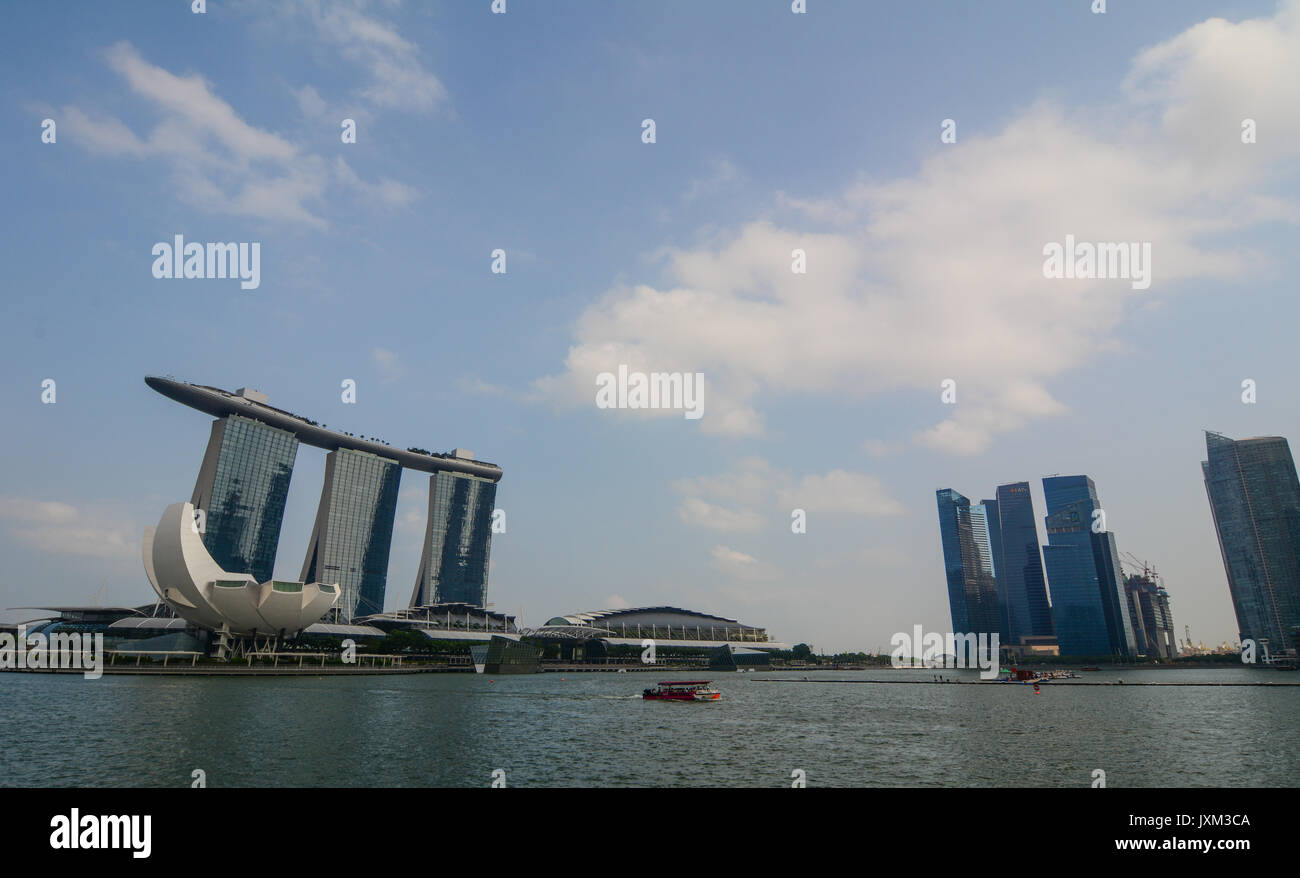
594, 730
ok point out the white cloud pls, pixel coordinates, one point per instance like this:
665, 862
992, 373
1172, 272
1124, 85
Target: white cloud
721, 174
390, 366
386, 191
396, 76
412, 510
475, 386
311, 104
881, 448
41, 511
939, 274
757, 494
739, 565
616, 602
841, 491
219, 162
61, 529
699, 513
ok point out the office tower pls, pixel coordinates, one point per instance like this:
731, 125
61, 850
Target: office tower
241, 489
993, 515
354, 529
457, 540
967, 557
1089, 604
1255, 500
987, 534
1149, 608
1020, 570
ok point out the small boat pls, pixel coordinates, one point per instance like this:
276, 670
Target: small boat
682, 690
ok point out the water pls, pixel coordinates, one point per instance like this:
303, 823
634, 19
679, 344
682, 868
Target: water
594, 730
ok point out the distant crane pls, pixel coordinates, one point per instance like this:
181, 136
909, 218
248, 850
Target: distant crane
1148, 569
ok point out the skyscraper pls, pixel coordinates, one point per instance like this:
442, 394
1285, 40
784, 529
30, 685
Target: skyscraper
1152, 619
967, 556
1089, 604
241, 489
1255, 500
987, 533
457, 540
1020, 571
354, 529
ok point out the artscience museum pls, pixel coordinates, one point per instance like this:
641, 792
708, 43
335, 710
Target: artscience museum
197, 589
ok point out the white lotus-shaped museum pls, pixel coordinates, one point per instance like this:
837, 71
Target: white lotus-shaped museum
194, 585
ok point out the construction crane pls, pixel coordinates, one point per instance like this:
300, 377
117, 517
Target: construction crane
1148, 569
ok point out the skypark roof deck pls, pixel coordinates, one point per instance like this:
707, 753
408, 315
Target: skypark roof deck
220, 403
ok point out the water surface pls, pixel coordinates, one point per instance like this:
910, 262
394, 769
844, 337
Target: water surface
594, 730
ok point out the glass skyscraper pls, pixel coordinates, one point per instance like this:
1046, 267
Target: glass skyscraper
1089, 603
1255, 500
1021, 583
241, 490
354, 529
457, 541
968, 564
988, 546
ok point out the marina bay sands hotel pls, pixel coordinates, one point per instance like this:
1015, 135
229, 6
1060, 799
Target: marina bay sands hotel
243, 483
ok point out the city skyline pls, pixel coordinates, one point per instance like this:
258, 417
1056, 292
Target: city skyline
1095, 608
924, 345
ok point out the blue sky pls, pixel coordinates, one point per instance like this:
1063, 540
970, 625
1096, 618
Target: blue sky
522, 131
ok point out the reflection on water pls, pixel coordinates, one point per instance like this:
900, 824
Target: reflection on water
594, 730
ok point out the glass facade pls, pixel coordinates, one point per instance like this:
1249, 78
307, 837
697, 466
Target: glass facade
1153, 621
354, 529
241, 489
1089, 603
1255, 500
983, 526
1020, 571
967, 557
993, 524
457, 542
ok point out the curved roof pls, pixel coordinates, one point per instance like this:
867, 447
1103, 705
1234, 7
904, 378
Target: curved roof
180, 569
149, 624
611, 616
219, 403
569, 632
331, 629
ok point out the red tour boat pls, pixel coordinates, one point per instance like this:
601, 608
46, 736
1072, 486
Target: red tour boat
682, 690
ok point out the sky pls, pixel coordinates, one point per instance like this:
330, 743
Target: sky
774, 131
